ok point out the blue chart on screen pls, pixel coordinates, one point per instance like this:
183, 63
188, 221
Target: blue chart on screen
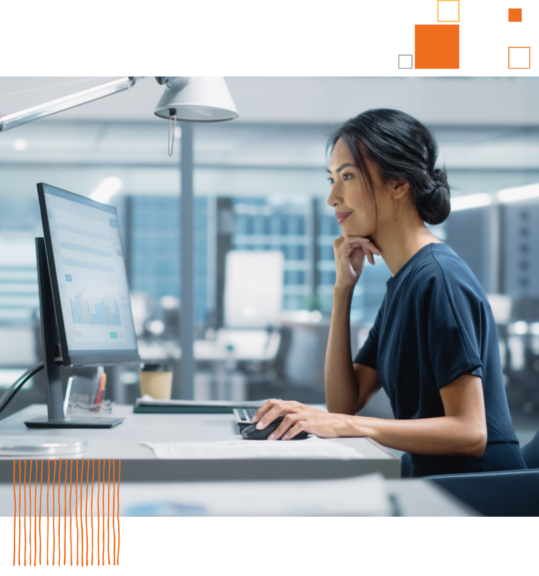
95, 312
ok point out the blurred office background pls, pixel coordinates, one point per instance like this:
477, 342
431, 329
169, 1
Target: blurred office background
260, 215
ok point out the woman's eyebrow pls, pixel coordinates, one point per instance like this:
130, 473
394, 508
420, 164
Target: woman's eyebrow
341, 167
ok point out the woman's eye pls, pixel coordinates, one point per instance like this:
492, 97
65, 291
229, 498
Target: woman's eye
347, 176
331, 181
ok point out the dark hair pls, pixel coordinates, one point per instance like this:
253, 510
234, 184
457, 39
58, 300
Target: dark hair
402, 147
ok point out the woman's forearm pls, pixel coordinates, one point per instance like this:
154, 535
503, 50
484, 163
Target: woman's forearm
342, 389
447, 435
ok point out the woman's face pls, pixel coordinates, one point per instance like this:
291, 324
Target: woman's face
354, 206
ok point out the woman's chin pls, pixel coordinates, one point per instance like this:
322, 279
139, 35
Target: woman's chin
351, 231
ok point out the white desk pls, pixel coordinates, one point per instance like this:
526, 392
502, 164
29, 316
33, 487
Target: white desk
194, 483
140, 465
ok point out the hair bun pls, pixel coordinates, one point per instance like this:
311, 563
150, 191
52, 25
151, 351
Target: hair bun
434, 205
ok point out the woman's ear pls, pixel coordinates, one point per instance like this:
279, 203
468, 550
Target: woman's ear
398, 187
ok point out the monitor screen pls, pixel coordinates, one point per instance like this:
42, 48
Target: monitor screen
89, 278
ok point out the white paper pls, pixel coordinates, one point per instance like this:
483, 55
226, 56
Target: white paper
316, 449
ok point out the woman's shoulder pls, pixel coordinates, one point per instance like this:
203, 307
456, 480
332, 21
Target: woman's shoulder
444, 270
441, 269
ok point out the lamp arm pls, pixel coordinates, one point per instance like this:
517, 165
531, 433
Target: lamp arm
60, 104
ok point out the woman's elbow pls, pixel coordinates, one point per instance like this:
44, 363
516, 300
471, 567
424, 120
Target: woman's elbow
477, 443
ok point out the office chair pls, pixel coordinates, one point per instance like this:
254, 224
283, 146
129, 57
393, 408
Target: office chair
506, 493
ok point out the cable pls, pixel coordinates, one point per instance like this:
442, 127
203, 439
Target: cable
18, 384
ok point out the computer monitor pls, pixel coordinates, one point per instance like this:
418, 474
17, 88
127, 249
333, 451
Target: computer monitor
85, 305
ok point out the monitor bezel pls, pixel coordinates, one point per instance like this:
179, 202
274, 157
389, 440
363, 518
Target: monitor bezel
77, 358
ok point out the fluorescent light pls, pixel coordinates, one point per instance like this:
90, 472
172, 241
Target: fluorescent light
177, 132
471, 201
519, 328
106, 190
519, 193
20, 144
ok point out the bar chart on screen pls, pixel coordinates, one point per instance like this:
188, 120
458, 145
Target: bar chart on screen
96, 312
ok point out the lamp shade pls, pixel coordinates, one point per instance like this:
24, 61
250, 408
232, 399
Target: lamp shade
197, 99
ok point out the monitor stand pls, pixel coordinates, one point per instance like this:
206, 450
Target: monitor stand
52, 359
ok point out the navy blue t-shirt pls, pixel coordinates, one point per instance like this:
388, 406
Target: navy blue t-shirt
434, 325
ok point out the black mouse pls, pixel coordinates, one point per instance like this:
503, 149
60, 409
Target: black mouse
252, 433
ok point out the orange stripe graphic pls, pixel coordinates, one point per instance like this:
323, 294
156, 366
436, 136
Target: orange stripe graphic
103, 484
48, 478
65, 513
98, 492
108, 494
87, 475
24, 490
19, 512
80, 508
119, 474
76, 508
53, 513
14, 493
76, 486
30, 513
113, 507
35, 494
54, 487
40, 495
92, 510
70, 478
103, 491
59, 511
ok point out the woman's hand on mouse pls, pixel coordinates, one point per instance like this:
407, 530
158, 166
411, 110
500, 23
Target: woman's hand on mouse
300, 418
350, 256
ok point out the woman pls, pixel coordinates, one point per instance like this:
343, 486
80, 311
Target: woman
434, 345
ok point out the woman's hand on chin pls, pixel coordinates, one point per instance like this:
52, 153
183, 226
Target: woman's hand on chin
350, 256
301, 418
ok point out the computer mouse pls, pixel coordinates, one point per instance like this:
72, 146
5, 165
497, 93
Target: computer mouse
252, 433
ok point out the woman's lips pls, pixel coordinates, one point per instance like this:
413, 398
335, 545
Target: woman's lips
342, 216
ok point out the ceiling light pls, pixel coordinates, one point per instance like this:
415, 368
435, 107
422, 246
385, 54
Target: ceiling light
519, 193
106, 190
20, 144
471, 201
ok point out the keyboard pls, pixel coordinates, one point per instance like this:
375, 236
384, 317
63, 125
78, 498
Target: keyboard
243, 417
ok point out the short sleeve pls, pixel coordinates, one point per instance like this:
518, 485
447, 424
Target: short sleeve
368, 353
454, 325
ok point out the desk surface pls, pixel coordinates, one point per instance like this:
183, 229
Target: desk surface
180, 481
140, 465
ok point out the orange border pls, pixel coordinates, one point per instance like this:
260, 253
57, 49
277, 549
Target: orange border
438, 11
479, 46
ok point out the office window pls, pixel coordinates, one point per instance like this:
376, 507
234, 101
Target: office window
20, 223
261, 225
155, 249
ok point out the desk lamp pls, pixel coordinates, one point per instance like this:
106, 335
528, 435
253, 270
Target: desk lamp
187, 99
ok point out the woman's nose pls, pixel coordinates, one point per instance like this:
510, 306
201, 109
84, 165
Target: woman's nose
333, 198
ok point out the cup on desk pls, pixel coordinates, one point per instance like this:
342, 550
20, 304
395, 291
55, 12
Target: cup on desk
156, 381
